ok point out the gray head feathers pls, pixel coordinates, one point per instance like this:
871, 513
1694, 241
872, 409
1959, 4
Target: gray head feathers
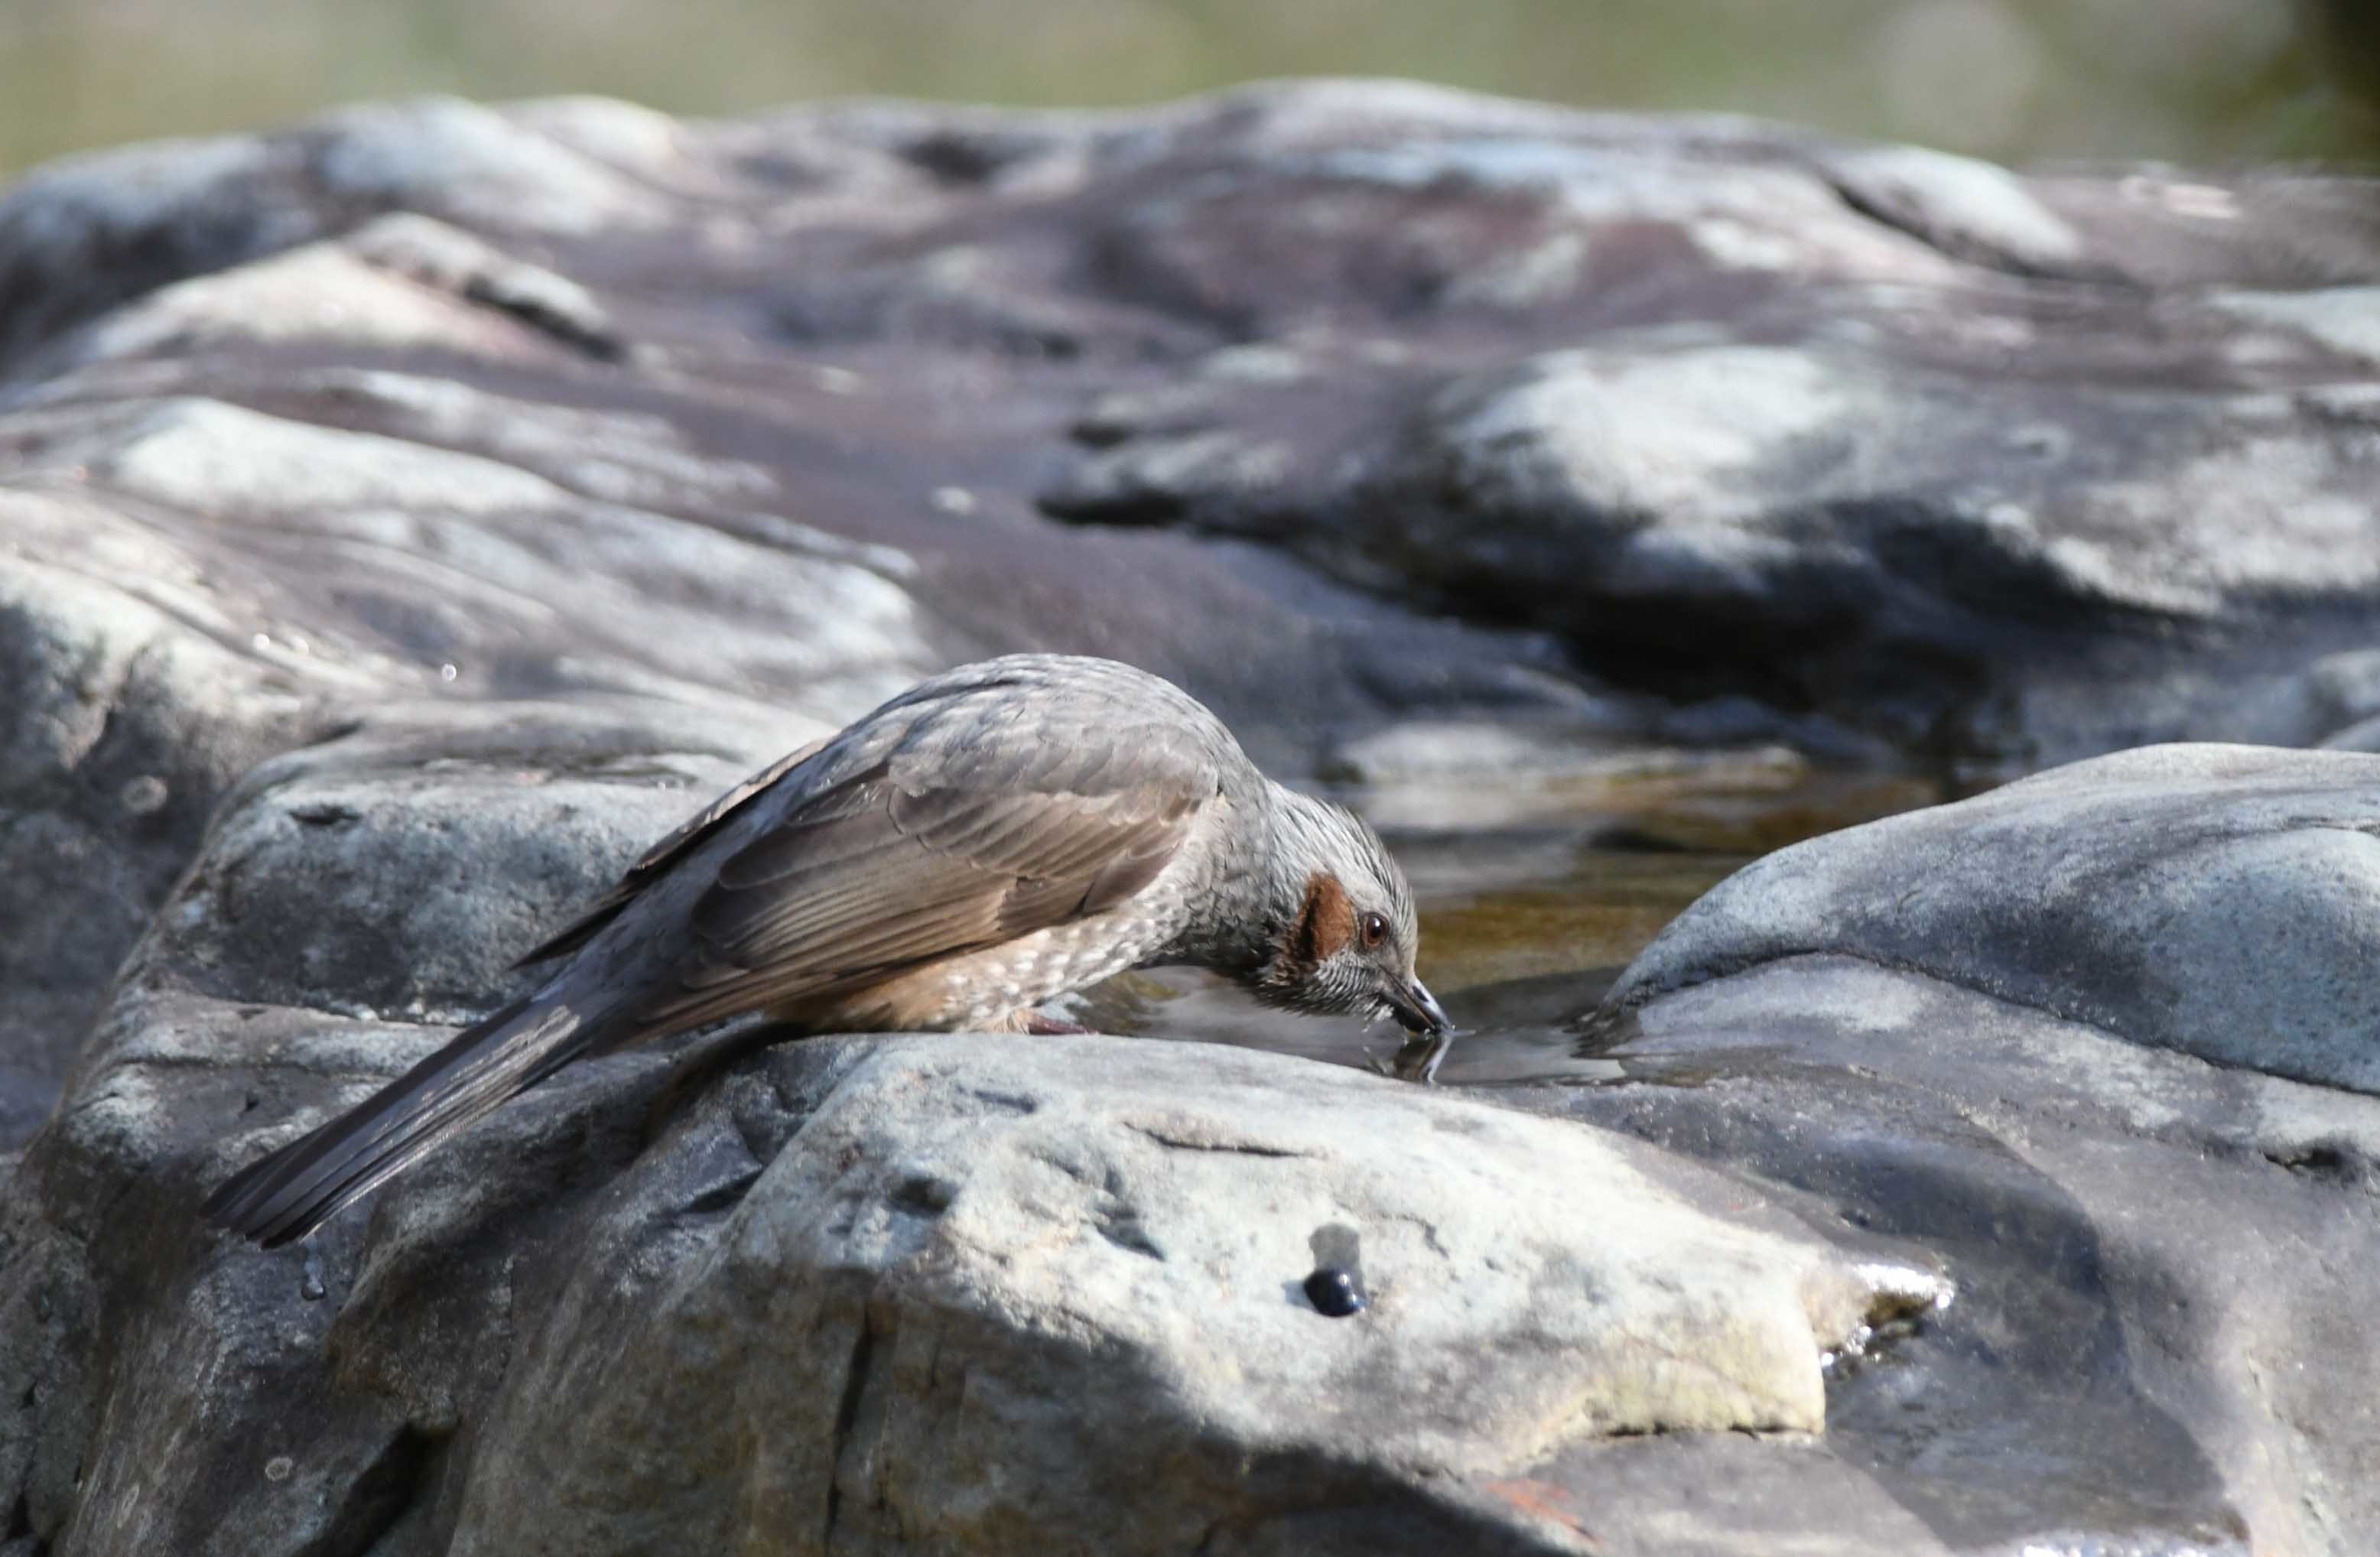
1311, 835
1344, 928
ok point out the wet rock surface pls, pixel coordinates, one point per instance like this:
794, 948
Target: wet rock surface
407, 517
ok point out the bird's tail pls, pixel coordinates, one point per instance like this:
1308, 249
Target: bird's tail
289, 1193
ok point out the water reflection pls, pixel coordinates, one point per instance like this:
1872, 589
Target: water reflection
1534, 895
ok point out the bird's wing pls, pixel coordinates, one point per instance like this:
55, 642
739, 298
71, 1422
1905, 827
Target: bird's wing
977, 828
697, 829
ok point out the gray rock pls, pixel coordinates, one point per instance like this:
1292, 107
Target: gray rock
2213, 900
979, 1295
1987, 439
2153, 1254
1942, 450
2098, 1035
120, 729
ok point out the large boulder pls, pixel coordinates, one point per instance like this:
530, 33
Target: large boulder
2103, 1039
1005, 1301
2145, 895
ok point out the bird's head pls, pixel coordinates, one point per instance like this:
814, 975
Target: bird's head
1344, 931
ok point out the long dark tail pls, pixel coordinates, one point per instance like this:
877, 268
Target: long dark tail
296, 1189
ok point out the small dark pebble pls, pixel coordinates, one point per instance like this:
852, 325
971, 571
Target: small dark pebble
1333, 1290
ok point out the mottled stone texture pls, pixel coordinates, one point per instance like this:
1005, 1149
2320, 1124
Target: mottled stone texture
406, 516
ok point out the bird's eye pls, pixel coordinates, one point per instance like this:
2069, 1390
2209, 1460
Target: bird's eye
1376, 929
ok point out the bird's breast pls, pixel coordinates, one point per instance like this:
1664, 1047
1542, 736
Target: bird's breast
987, 986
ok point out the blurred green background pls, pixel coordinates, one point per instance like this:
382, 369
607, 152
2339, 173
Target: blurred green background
2194, 80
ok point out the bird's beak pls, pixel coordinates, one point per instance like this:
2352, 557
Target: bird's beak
1417, 1009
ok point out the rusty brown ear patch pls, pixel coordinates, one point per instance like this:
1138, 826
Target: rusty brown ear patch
1326, 923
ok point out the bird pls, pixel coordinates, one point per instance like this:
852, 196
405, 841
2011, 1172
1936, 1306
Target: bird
995, 836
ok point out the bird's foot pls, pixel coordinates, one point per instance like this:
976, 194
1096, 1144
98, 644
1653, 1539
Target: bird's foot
1051, 1026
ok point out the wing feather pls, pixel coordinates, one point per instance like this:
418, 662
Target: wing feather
909, 861
702, 826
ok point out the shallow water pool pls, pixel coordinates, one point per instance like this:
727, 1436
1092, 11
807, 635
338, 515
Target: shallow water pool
1534, 895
